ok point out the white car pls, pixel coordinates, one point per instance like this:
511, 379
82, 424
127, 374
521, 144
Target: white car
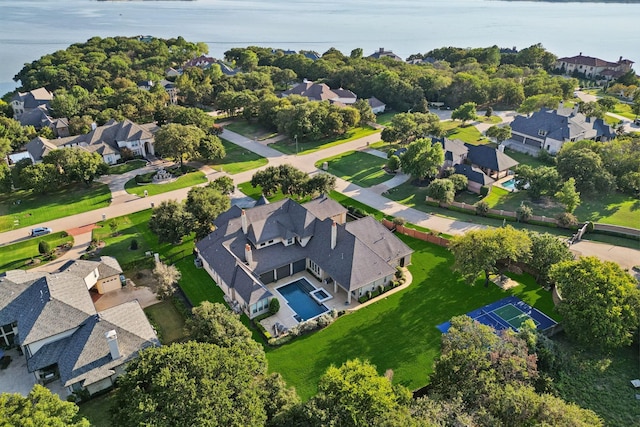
40, 231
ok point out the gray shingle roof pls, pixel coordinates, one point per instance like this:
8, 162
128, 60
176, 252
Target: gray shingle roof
324, 207
473, 174
82, 268
361, 255
562, 124
488, 157
45, 305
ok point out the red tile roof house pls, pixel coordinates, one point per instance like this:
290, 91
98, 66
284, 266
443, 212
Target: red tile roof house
253, 248
593, 68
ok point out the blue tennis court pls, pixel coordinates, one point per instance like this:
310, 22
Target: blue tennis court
510, 312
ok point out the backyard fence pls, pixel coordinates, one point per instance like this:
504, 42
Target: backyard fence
421, 235
508, 215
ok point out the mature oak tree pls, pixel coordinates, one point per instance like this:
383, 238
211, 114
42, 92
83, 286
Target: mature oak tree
170, 221
39, 408
205, 204
480, 251
179, 141
422, 159
442, 190
465, 112
600, 302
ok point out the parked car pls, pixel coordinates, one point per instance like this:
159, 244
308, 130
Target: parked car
40, 231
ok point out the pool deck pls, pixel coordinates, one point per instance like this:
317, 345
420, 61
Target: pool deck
286, 313
338, 301
505, 179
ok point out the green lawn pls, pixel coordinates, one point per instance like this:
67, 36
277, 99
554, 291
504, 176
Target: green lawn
492, 120
187, 180
399, 332
16, 255
600, 382
363, 169
97, 410
467, 133
623, 109
524, 159
238, 159
288, 146
134, 226
414, 197
23, 208
168, 320
197, 284
127, 167
251, 130
610, 208
384, 119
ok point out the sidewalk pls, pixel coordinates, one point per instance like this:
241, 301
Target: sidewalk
125, 203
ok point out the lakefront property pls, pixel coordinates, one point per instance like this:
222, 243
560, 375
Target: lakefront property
253, 248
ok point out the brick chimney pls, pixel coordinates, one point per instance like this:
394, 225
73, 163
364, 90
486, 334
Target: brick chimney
112, 340
334, 235
245, 224
248, 255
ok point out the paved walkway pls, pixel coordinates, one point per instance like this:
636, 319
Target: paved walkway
370, 196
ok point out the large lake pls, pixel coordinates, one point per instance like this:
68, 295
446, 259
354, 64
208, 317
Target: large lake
31, 28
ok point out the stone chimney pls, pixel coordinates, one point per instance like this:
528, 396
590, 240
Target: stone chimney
245, 224
334, 235
112, 340
248, 255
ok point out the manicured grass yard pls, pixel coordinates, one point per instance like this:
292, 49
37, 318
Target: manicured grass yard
238, 159
97, 410
399, 332
197, 284
168, 320
524, 159
610, 208
187, 180
16, 255
134, 226
37, 208
467, 133
250, 129
384, 119
363, 169
127, 167
288, 146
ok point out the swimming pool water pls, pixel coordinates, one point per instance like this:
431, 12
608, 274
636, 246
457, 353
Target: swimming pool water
510, 184
297, 296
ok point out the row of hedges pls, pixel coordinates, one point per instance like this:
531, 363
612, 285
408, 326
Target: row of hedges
304, 328
399, 280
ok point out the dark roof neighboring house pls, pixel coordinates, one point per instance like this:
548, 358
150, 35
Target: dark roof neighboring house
381, 53
34, 98
473, 174
563, 124
57, 321
321, 92
489, 158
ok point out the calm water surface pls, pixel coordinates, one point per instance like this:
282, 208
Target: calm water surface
31, 28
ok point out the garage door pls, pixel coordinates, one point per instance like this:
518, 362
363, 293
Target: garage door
284, 271
517, 138
299, 266
267, 277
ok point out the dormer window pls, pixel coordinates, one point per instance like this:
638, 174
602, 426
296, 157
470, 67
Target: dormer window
542, 132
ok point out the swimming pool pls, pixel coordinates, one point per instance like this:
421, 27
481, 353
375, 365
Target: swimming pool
510, 184
297, 295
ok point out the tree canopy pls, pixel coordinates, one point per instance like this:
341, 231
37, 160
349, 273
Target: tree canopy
600, 302
205, 204
171, 221
422, 159
39, 408
480, 251
179, 141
